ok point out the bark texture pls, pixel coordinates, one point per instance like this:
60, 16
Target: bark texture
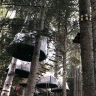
34, 68
56, 64
93, 6
8, 82
64, 74
64, 61
86, 49
35, 59
77, 82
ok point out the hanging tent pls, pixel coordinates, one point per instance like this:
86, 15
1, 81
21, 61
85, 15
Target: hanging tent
22, 46
47, 82
60, 87
22, 68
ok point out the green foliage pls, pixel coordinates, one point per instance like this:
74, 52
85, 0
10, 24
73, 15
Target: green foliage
3, 11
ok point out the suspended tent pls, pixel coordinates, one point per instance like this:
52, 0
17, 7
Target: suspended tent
77, 38
60, 87
23, 83
22, 46
47, 82
22, 68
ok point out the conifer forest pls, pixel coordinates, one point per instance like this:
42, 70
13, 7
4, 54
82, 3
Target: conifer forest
47, 47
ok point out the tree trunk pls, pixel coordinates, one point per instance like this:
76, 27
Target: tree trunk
64, 74
64, 61
76, 81
86, 49
75, 88
80, 82
34, 68
93, 6
35, 58
57, 54
9, 78
24, 90
56, 64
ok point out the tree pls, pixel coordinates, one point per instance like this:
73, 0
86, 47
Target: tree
8, 82
86, 49
35, 58
93, 6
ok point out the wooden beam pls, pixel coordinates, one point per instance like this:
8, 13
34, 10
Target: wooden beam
49, 65
42, 71
57, 55
45, 68
53, 60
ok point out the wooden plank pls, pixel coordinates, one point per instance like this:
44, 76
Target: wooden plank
45, 68
53, 60
49, 64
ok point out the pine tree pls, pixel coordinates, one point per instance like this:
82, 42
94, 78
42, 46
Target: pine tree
86, 49
93, 6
